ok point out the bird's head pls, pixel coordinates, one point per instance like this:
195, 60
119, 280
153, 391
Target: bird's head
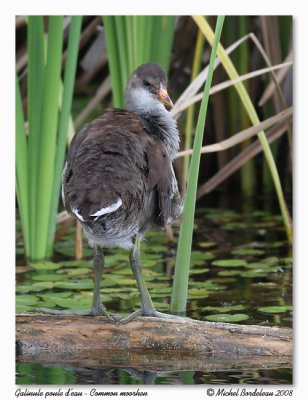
146, 89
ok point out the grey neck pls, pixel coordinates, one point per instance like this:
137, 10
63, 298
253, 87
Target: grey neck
160, 121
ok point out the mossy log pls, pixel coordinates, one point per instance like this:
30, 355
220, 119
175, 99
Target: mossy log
151, 343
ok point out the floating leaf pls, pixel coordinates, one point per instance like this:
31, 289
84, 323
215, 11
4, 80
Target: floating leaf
230, 263
197, 271
200, 257
46, 304
125, 281
253, 274
227, 317
158, 290
77, 263
237, 307
23, 268
257, 265
48, 278
45, 266
73, 303
20, 308
26, 289
224, 280
247, 252
43, 285
197, 293
208, 285
75, 285
287, 260
26, 299
77, 272
207, 245
270, 260
275, 309
50, 295
229, 273
162, 306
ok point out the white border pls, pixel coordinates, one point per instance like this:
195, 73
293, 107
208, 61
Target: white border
7, 179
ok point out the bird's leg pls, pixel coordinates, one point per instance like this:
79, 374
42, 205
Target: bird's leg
98, 264
147, 306
97, 305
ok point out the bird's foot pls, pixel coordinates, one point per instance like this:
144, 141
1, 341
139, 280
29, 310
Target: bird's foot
94, 311
148, 313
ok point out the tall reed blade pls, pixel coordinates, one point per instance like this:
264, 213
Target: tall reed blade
36, 72
181, 276
191, 109
67, 97
113, 60
22, 170
48, 138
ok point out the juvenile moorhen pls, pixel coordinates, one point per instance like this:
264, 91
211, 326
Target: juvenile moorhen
119, 182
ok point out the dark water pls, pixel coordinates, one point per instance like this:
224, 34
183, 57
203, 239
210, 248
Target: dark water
241, 272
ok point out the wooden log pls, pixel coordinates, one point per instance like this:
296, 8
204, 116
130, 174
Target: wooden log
151, 343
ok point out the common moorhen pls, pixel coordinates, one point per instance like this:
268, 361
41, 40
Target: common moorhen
119, 182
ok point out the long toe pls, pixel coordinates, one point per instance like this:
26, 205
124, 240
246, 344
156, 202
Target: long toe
90, 312
151, 313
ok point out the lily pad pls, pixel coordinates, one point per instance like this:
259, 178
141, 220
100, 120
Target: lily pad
39, 286
50, 295
46, 304
45, 266
26, 289
160, 290
208, 285
20, 308
227, 317
75, 285
48, 277
254, 274
77, 272
247, 252
26, 299
270, 260
207, 245
255, 265
74, 304
225, 309
197, 293
198, 257
229, 272
76, 263
197, 271
275, 309
230, 263
23, 268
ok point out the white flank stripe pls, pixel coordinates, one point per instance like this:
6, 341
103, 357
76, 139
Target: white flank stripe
109, 209
62, 188
75, 211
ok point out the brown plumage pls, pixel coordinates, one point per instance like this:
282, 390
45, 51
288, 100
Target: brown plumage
119, 181
113, 157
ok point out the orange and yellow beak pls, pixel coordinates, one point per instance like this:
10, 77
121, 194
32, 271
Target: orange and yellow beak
163, 96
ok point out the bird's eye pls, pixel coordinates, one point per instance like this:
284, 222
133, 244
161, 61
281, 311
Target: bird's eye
146, 82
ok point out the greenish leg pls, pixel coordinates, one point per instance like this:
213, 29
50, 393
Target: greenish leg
147, 306
97, 306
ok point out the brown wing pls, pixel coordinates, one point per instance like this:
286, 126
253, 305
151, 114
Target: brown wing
103, 160
161, 176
